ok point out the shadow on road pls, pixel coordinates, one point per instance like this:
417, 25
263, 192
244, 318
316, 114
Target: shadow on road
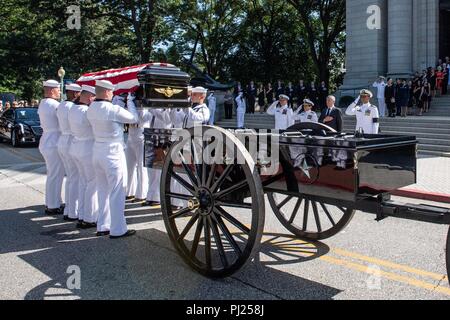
146, 266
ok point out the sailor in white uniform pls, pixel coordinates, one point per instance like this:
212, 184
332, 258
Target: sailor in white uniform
159, 119
199, 114
241, 108
212, 104
109, 159
367, 116
137, 188
81, 151
48, 146
71, 189
284, 115
307, 115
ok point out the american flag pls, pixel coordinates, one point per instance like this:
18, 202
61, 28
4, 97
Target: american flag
125, 78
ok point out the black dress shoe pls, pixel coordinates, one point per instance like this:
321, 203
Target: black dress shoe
129, 233
53, 212
151, 204
88, 225
130, 198
102, 233
80, 224
137, 200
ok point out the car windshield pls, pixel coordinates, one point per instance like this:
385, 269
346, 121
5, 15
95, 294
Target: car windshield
27, 114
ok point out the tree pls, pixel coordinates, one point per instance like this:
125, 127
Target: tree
212, 25
324, 24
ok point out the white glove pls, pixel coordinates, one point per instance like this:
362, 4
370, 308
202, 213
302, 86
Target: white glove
130, 97
357, 100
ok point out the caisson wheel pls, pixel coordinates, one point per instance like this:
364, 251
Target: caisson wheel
448, 255
308, 219
219, 226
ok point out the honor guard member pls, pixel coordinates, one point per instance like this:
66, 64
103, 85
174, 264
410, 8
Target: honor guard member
212, 103
199, 113
159, 119
367, 116
307, 115
109, 159
240, 110
71, 189
137, 173
81, 151
380, 84
48, 146
284, 116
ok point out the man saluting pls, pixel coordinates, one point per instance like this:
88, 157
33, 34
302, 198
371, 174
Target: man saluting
367, 116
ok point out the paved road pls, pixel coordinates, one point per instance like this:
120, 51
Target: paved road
394, 259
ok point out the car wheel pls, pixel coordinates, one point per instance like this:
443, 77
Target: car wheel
14, 141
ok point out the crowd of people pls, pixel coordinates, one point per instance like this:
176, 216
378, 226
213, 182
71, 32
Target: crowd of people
18, 104
259, 97
413, 96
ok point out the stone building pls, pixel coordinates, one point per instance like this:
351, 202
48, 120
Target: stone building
394, 38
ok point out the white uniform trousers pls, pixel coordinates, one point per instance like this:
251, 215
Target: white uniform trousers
212, 116
55, 169
154, 177
382, 107
81, 151
72, 177
240, 118
111, 173
137, 175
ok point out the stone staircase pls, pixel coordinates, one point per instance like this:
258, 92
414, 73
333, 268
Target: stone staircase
432, 130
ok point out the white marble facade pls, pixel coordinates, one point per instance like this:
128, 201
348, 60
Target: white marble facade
404, 39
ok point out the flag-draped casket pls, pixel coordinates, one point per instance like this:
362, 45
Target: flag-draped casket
157, 85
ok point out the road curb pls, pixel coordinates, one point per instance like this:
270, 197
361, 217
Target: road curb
422, 195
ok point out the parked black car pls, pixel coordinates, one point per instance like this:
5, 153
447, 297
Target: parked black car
20, 126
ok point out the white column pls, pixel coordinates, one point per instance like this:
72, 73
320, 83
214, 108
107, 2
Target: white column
400, 38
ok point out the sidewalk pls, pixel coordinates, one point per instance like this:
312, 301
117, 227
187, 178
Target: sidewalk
433, 180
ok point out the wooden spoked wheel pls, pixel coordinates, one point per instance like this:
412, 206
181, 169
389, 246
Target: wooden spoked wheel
220, 224
448, 255
308, 219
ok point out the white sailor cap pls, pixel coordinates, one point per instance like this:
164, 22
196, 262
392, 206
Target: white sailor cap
365, 92
307, 101
51, 84
283, 96
105, 84
87, 88
73, 87
199, 90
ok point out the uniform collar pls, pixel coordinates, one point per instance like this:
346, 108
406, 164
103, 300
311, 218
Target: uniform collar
102, 100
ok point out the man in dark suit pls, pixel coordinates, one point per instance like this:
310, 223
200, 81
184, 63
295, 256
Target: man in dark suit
332, 116
251, 97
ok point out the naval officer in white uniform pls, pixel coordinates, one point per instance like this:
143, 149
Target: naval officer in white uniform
109, 159
81, 151
212, 104
48, 146
71, 189
307, 115
241, 108
284, 115
367, 116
